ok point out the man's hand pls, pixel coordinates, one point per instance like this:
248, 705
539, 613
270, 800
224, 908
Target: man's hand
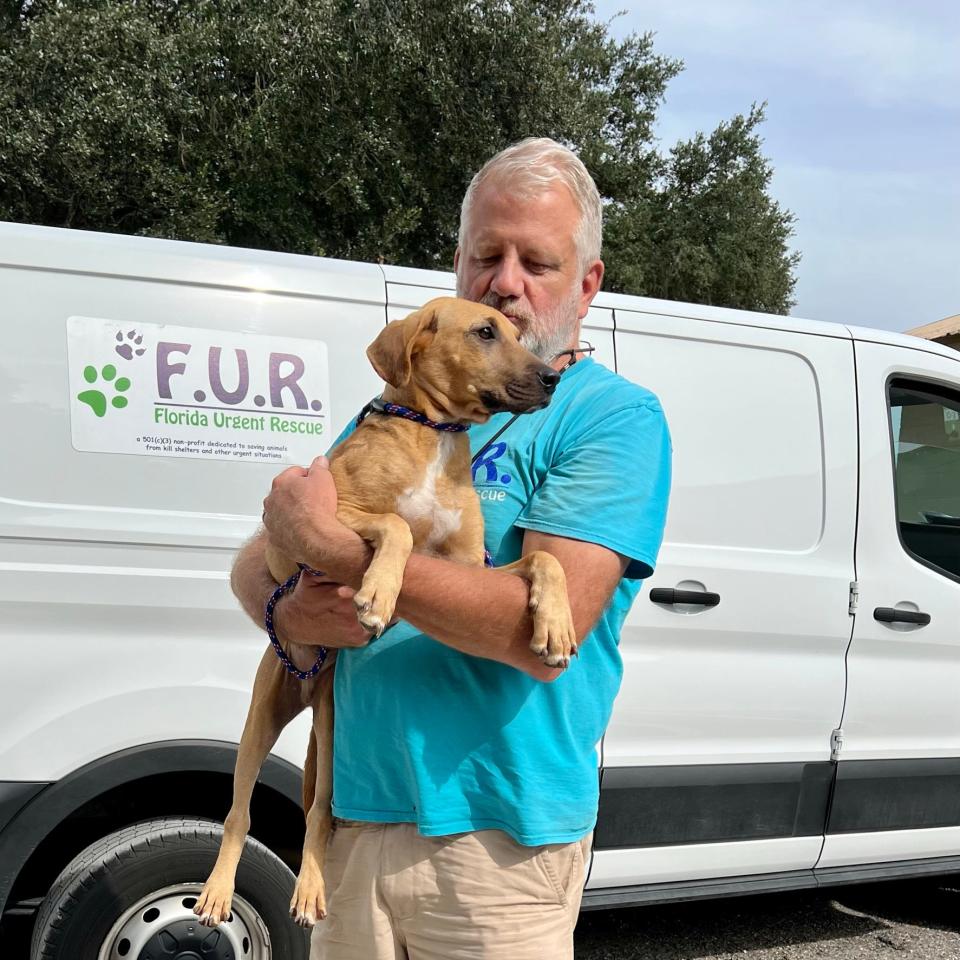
300, 514
321, 612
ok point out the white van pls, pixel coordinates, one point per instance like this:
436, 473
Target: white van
789, 715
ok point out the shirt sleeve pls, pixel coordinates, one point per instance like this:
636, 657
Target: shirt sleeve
610, 486
344, 433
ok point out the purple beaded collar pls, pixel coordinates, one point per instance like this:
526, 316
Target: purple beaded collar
379, 405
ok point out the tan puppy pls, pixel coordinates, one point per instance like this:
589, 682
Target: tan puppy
403, 487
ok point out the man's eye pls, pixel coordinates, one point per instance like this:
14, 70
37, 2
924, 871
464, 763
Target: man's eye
486, 333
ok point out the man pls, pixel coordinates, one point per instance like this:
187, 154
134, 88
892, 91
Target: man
465, 770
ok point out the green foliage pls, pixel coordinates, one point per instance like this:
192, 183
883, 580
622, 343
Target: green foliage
709, 232
350, 128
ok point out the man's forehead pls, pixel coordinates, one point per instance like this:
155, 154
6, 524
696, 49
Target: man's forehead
545, 220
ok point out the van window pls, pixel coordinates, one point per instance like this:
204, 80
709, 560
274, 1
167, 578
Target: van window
925, 429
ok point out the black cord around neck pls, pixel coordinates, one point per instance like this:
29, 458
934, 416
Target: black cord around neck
572, 353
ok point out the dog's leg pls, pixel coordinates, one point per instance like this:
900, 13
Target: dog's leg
310, 773
309, 897
554, 638
392, 542
271, 709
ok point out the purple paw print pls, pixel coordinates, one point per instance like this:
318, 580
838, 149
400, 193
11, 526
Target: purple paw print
125, 350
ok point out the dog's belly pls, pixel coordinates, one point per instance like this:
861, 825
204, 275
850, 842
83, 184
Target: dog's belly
431, 523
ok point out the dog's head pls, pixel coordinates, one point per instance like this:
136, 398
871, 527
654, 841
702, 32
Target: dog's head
465, 358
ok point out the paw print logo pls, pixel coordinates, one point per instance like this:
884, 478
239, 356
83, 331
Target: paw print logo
97, 399
125, 349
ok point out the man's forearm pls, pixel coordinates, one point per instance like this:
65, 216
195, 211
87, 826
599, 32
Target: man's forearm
250, 578
472, 609
455, 604
331, 622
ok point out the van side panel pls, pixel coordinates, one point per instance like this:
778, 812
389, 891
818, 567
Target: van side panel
117, 623
717, 760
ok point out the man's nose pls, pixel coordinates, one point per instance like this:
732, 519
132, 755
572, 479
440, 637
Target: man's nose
507, 280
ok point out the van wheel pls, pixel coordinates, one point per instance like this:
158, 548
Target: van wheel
131, 895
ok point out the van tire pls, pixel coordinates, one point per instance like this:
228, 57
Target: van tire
128, 867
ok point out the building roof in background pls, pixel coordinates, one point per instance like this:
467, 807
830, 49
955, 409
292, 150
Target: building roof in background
938, 329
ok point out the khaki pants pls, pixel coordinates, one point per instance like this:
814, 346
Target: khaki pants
393, 894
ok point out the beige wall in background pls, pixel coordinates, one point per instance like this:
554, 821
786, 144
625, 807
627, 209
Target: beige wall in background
946, 331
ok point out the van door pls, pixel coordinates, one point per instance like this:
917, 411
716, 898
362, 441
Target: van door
898, 778
716, 762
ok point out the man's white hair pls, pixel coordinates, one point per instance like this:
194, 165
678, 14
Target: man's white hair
528, 168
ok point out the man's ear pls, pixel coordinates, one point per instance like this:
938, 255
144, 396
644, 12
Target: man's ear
590, 287
393, 349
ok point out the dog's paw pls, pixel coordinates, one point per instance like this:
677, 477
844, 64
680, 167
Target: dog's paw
375, 605
213, 904
309, 903
554, 638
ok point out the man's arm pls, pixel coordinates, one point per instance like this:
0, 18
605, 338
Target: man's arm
477, 611
484, 612
250, 579
317, 611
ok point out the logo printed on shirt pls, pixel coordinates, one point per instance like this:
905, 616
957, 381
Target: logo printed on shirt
487, 472
488, 462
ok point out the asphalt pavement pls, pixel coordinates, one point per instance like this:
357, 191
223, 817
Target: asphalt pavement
919, 919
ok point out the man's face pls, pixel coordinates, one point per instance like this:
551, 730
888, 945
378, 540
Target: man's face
519, 257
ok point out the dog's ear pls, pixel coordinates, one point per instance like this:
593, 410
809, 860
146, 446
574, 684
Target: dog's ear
392, 351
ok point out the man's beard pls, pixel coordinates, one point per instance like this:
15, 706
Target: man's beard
545, 335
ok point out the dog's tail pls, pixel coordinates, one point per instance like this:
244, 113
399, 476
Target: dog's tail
310, 772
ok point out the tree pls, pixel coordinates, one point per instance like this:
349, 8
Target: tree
350, 128
709, 232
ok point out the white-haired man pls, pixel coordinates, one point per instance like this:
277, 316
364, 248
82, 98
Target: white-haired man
465, 770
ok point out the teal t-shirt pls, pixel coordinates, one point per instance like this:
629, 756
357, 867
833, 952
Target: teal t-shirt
428, 735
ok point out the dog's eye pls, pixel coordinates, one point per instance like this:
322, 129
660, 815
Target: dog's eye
486, 333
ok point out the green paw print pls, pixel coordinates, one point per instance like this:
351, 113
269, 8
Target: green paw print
95, 398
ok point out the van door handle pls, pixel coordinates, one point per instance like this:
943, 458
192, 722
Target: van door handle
892, 615
670, 595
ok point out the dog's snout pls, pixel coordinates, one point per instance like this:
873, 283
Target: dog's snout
549, 379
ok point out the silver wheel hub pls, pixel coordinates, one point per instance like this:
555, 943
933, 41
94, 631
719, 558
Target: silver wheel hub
163, 925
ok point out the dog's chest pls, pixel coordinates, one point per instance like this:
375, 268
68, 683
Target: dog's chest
431, 522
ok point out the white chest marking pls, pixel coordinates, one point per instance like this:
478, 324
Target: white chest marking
420, 503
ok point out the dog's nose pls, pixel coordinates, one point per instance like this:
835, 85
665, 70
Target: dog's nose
549, 379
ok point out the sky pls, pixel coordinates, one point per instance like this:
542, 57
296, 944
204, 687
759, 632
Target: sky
862, 130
